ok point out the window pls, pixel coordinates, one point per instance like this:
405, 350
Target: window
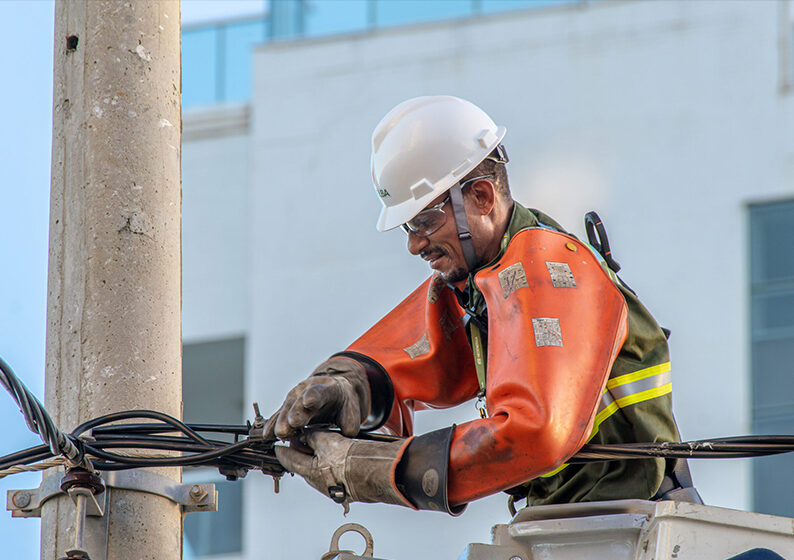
216, 58
218, 532
216, 61
199, 66
341, 16
772, 348
212, 381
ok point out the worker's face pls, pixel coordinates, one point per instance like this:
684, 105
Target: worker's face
441, 249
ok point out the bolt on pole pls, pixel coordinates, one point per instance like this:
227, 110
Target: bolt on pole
114, 287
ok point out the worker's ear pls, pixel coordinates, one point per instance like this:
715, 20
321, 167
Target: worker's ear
483, 194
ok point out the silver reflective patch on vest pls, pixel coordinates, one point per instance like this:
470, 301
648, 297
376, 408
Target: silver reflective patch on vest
547, 331
561, 275
513, 278
418, 348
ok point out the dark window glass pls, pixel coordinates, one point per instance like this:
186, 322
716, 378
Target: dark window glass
774, 493
212, 393
772, 314
773, 242
216, 532
773, 377
212, 381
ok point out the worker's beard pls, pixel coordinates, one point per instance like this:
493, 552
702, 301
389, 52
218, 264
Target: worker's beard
451, 276
456, 275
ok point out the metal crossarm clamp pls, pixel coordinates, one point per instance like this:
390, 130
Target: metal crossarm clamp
192, 497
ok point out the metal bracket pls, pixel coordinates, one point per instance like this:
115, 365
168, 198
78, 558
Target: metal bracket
28, 502
192, 497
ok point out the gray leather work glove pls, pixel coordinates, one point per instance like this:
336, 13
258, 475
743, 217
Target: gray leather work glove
337, 392
348, 470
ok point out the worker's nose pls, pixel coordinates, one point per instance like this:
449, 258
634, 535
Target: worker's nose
416, 243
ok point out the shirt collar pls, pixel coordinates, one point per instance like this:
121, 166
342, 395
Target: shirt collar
521, 218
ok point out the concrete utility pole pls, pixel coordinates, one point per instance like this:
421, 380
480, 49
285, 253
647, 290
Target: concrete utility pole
114, 293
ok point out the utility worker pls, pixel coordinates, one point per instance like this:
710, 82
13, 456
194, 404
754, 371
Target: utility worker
518, 314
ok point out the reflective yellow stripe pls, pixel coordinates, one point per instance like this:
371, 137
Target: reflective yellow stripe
634, 388
603, 415
628, 400
608, 406
555, 471
637, 375
644, 395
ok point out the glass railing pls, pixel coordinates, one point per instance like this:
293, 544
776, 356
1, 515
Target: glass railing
216, 58
216, 61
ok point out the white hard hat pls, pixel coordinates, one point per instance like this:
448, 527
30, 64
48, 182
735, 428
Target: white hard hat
423, 147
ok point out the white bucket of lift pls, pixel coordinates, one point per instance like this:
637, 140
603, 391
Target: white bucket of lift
634, 530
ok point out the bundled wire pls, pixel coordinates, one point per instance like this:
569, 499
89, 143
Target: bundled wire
183, 445
163, 441
97, 445
37, 418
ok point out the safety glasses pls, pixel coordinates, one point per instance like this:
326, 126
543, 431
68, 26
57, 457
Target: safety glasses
430, 220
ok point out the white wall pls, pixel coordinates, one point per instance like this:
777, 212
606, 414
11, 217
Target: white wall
666, 117
215, 181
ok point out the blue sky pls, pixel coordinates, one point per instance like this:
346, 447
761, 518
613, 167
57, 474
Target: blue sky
25, 145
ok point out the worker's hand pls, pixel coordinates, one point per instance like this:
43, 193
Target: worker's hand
347, 470
337, 393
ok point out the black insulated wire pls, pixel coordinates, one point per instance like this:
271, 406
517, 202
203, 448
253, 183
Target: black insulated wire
124, 415
159, 428
167, 434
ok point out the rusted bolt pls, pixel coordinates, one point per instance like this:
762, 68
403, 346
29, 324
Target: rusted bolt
21, 499
197, 493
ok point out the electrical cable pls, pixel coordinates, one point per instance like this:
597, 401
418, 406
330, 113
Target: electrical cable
98, 443
153, 414
158, 428
36, 416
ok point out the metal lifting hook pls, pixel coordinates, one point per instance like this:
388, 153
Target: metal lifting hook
335, 554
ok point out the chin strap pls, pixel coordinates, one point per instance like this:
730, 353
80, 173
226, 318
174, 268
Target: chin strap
462, 223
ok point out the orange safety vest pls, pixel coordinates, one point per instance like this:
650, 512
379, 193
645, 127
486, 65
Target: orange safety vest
556, 323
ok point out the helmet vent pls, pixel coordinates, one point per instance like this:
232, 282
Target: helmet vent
487, 138
421, 188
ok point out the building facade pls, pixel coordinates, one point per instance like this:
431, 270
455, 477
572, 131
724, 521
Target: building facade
672, 119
